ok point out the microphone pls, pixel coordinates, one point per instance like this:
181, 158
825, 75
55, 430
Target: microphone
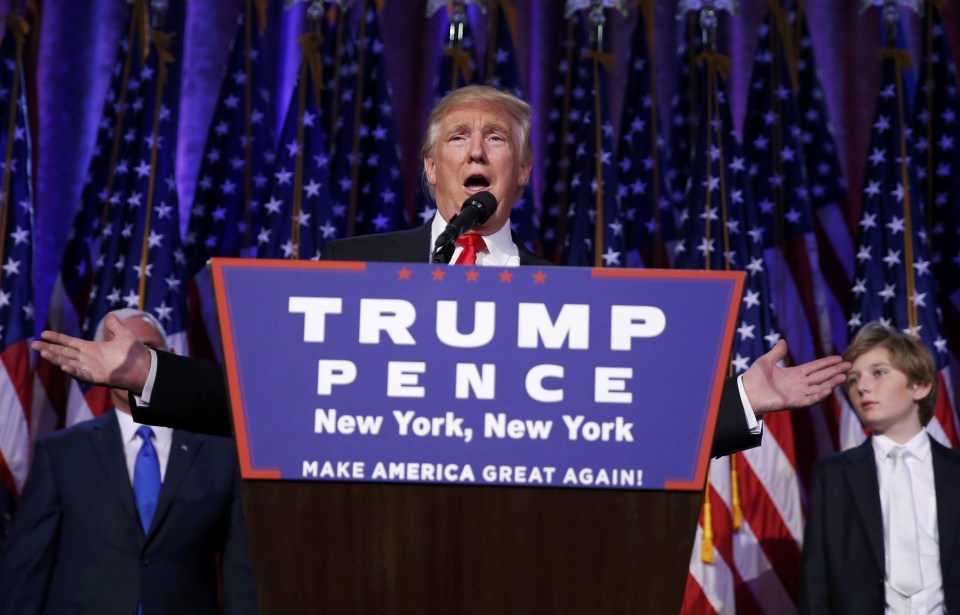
475, 210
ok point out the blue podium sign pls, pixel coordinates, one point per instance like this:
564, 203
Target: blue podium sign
416, 373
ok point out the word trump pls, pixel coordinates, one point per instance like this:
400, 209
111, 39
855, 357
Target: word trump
393, 319
383, 321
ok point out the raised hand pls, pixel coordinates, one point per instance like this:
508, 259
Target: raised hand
121, 361
770, 387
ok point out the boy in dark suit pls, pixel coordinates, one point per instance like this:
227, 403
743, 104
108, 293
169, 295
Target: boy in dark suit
116, 517
883, 517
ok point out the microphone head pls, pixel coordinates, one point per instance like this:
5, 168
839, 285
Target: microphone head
484, 202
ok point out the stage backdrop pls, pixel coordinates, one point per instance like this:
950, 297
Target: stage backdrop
74, 47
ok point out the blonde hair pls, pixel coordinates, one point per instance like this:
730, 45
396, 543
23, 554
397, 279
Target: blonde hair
515, 107
907, 354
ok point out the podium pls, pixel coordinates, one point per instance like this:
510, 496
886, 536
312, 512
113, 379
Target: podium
332, 530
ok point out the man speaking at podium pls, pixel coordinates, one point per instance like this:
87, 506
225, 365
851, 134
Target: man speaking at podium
476, 158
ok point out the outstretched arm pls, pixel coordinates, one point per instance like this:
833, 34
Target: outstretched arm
770, 387
187, 393
119, 362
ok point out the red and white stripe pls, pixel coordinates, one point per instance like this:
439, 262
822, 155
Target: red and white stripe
16, 391
755, 569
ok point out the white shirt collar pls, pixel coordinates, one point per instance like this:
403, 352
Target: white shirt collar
499, 244
128, 428
918, 445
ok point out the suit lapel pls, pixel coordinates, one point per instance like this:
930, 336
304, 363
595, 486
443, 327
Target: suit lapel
946, 471
861, 475
183, 450
527, 258
106, 438
409, 247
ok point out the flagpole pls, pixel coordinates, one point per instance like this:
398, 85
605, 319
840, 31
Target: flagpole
928, 91
564, 145
138, 17
19, 28
247, 126
598, 162
305, 40
492, 40
777, 37
891, 17
912, 320
648, 15
711, 109
311, 66
335, 96
598, 20
715, 64
357, 120
161, 41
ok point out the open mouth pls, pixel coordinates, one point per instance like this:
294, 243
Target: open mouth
476, 183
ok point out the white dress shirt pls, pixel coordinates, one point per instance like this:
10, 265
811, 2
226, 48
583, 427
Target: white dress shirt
500, 252
162, 440
928, 600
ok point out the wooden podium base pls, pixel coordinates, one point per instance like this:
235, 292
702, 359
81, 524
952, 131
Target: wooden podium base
351, 548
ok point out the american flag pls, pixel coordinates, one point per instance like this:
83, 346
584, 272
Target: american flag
365, 157
894, 280
936, 129
580, 201
233, 173
649, 223
70, 297
138, 261
747, 549
298, 215
502, 71
775, 143
16, 271
457, 67
338, 53
683, 110
560, 145
827, 192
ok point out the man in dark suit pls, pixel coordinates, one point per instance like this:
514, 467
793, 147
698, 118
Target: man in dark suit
477, 140
78, 544
870, 547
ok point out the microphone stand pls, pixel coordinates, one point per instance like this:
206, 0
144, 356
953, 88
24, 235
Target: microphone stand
443, 253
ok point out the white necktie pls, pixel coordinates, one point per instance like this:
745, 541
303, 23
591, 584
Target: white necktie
904, 549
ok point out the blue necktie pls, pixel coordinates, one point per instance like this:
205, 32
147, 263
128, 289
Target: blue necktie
146, 478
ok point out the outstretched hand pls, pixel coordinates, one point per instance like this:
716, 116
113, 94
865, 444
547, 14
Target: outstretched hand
121, 361
770, 387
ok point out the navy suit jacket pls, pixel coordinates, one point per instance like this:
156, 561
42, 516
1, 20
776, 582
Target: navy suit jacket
191, 394
6, 510
76, 544
843, 566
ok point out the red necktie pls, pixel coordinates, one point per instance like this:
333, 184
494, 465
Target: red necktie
471, 244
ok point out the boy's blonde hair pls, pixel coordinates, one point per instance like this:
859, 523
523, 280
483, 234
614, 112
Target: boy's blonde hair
907, 354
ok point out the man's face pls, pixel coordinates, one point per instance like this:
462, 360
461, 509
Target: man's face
150, 337
883, 396
477, 149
